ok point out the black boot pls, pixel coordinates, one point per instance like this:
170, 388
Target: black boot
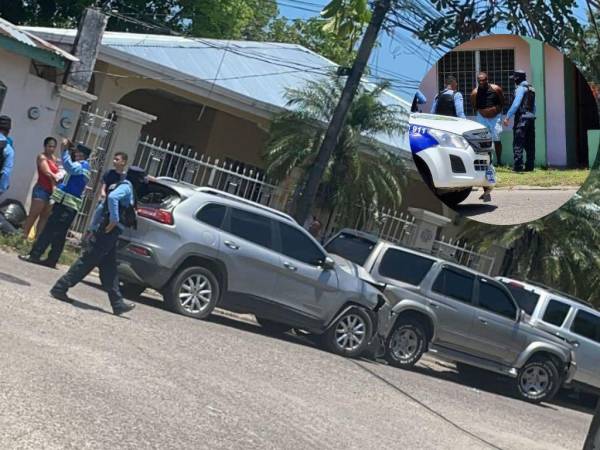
60, 294
122, 307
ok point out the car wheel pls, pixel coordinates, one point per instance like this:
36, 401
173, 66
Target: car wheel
538, 380
131, 291
349, 334
406, 344
273, 327
193, 292
452, 199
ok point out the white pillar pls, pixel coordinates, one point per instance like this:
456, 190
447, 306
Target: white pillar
427, 224
71, 102
127, 130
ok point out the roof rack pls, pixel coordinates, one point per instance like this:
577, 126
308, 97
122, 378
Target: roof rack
216, 192
557, 292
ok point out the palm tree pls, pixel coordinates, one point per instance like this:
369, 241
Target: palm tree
360, 174
560, 250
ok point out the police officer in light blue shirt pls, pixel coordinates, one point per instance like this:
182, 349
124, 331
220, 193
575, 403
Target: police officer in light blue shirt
449, 102
110, 218
7, 154
523, 111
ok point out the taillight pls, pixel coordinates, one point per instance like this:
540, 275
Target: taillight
160, 215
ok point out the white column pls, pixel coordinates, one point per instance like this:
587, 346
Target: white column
427, 224
127, 130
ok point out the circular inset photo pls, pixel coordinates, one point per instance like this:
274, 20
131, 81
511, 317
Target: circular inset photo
504, 129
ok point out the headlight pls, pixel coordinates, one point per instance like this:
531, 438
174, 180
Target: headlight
446, 139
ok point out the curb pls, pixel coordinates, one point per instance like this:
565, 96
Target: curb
538, 188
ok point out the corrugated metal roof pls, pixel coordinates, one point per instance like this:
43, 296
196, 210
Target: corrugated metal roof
257, 70
12, 31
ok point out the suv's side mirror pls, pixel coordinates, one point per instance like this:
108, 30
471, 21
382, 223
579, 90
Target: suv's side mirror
521, 315
328, 263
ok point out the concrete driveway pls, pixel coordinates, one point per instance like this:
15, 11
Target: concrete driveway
514, 206
75, 376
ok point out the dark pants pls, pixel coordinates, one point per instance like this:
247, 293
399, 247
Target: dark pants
101, 252
54, 234
524, 143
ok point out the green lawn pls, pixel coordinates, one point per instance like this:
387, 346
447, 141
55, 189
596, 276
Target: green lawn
15, 243
541, 177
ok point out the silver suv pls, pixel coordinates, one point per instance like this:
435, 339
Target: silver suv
568, 317
462, 315
203, 248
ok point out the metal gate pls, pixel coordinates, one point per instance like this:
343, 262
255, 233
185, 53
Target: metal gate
94, 130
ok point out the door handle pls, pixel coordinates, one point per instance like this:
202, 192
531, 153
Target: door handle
434, 305
231, 245
483, 321
289, 266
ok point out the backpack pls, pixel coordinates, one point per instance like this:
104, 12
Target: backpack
127, 214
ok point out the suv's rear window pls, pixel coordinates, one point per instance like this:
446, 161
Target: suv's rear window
158, 195
526, 300
556, 312
587, 325
404, 266
353, 248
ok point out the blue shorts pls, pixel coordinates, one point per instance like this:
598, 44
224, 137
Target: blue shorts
493, 124
41, 194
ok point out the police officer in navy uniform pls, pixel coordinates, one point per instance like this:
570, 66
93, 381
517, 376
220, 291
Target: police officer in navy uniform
523, 110
449, 102
111, 216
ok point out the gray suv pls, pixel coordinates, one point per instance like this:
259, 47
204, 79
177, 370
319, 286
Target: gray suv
203, 248
569, 318
462, 315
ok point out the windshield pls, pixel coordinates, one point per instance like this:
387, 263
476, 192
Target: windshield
353, 248
527, 300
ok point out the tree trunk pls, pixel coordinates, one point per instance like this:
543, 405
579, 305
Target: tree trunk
306, 201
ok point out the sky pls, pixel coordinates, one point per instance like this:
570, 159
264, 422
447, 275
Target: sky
391, 57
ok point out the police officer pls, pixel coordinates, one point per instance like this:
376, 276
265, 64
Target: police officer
418, 99
449, 102
7, 154
67, 202
523, 110
110, 218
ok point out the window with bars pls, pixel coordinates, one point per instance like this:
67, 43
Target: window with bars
499, 64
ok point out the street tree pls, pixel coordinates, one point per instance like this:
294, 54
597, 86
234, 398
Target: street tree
347, 20
360, 173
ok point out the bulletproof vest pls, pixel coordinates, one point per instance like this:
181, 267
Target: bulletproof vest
527, 104
445, 103
487, 99
127, 214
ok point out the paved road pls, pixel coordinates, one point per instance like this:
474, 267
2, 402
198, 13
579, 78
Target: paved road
510, 207
77, 377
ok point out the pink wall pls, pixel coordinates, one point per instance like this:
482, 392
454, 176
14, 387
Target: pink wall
556, 141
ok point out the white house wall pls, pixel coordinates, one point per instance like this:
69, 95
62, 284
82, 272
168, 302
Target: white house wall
23, 92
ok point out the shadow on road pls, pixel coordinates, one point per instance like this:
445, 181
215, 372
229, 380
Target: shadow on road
474, 210
443, 370
14, 280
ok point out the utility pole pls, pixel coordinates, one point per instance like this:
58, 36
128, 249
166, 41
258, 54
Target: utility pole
593, 439
315, 175
86, 48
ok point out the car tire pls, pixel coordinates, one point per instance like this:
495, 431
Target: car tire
349, 334
538, 380
131, 291
273, 327
452, 199
193, 292
406, 343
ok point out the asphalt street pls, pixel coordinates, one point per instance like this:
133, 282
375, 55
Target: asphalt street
514, 206
75, 376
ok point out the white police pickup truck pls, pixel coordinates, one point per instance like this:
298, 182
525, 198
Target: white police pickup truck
452, 155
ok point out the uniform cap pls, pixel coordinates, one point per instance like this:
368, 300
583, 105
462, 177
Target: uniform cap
84, 149
5, 122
